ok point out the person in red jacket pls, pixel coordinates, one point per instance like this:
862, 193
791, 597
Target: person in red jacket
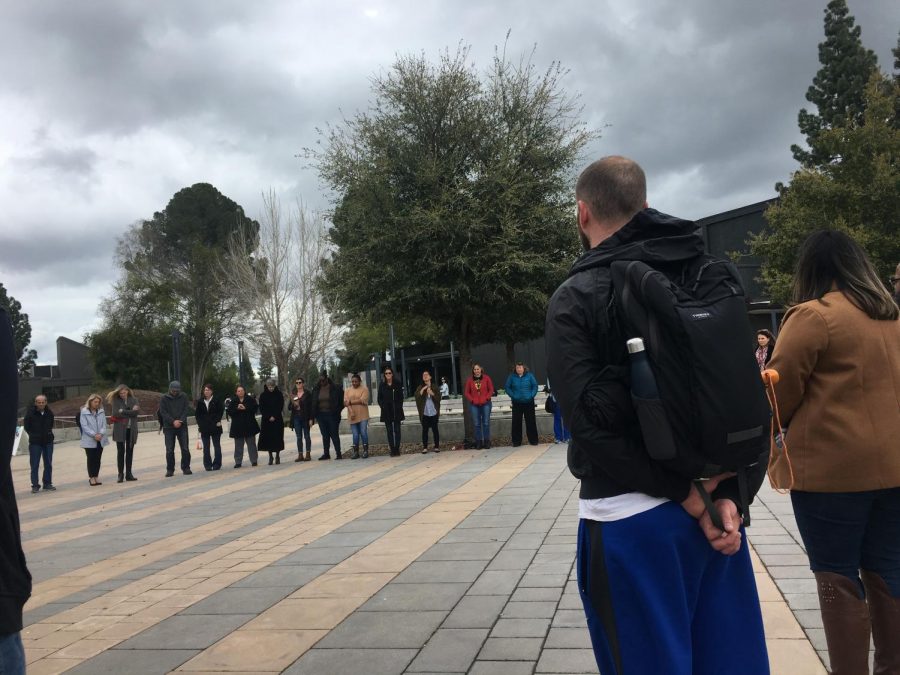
478, 392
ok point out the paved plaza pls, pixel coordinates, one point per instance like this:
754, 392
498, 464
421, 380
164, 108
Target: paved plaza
461, 562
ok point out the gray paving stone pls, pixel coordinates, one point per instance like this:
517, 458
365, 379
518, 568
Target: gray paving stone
450, 650
187, 631
571, 601
514, 559
462, 551
496, 583
345, 539
802, 600
502, 668
568, 638
796, 585
798, 559
570, 618
384, 630
765, 550
567, 661
477, 534
525, 540
412, 597
808, 618
511, 649
476, 611
491, 521
536, 594
355, 661
134, 662
239, 600
441, 571
529, 610
520, 628
291, 576
328, 555
788, 572
544, 580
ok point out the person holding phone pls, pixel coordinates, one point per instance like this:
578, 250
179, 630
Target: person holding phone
428, 403
302, 419
244, 426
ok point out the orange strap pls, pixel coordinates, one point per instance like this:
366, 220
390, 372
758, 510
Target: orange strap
770, 377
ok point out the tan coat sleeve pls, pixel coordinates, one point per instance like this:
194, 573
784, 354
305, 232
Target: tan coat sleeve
802, 340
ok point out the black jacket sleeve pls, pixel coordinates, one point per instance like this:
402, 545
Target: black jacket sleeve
596, 405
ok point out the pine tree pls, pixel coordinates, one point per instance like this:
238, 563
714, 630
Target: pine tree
838, 89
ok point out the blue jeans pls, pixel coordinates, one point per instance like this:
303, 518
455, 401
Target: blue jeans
301, 430
560, 433
845, 532
360, 432
36, 453
12, 654
481, 418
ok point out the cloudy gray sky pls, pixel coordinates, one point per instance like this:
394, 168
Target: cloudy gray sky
108, 108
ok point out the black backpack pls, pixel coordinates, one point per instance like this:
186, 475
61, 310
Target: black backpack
712, 415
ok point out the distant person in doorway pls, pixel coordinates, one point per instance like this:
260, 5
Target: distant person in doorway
560, 432
479, 392
208, 411
244, 426
302, 419
39, 427
93, 435
445, 388
327, 403
124, 409
390, 400
521, 387
428, 403
356, 400
271, 410
765, 345
173, 408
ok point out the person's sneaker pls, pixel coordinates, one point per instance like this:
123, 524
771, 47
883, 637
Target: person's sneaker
424, 451
187, 472
208, 468
35, 489
237, 466
436, 449
169, 474
324, 457
129, 477
50, 488
253, 463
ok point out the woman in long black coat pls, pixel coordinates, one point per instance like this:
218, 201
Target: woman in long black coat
390, 400
271, 409
244, 427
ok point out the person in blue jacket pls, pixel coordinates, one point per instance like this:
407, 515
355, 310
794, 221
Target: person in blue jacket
521, 387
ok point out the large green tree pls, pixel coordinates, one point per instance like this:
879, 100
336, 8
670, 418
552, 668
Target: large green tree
858, 193
21, 331
172, 276
138, 355
453, 200
838, 89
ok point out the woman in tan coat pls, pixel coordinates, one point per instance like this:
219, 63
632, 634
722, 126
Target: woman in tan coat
838, 356
356, 400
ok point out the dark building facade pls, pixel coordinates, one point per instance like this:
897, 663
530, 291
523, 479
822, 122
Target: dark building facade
73, 375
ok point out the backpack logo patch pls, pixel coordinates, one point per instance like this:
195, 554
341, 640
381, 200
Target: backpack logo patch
700, 316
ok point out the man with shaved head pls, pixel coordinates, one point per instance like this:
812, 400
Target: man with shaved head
664, 590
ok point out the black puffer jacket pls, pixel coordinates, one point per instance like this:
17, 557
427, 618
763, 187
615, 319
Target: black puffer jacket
39, 426
15, 580
587, 362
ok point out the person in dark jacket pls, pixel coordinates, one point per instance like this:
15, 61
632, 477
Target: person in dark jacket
390, 400
39, 426
244, 427
15, 579
682, 592
428, 403
327, 403
302, 419
765, 345
271, 410
208, 411
124, 410
173, 408
521, 387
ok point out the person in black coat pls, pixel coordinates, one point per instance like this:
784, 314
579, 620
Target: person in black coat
390, 400
39, 425
15, 580
327, 403
208, 412
302, 419
244, 426
271, 410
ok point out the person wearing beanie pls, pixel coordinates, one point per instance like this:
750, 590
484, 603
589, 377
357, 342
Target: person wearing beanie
173, 409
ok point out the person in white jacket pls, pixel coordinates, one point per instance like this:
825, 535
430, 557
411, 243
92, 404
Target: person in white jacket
93, 435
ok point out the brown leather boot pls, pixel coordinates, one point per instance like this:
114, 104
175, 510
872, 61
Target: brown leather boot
884, 609
845, 616
308, 456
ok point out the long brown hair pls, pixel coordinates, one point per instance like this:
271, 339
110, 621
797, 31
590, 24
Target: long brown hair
832, 260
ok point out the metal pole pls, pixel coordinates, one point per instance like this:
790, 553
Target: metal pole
393, 356
403, 381
453, 367
176, 355
241, 362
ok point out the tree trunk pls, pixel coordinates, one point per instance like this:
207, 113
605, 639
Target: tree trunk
510, 356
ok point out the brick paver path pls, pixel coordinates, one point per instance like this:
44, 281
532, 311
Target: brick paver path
454, 563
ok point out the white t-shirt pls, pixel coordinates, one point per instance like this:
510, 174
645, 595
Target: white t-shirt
618, 507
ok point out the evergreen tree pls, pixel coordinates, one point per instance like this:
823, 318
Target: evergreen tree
21, 331
838, 89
